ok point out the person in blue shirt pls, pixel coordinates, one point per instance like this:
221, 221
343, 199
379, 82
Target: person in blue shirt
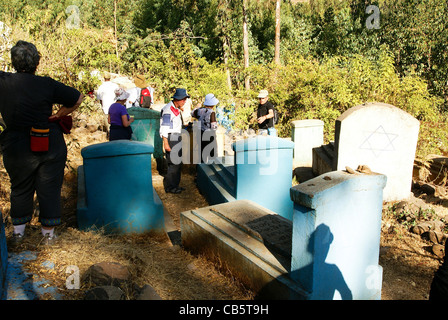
119, 119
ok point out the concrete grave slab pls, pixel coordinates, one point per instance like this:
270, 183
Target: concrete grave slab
25, 285
251, 241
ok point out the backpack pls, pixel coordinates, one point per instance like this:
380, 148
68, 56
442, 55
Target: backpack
145, 98
275, 115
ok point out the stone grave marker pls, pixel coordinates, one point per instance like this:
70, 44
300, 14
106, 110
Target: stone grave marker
384, 138
115, 189
306, 135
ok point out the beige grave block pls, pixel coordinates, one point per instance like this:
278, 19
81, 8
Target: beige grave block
306, 134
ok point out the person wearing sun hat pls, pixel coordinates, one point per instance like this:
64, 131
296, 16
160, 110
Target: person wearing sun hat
171, 133
134, 92
118, 118
207, 118
135, 96
265, 114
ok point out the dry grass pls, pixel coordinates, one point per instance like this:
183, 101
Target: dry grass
174, 273
408, 265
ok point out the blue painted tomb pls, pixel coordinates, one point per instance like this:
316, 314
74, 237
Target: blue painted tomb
115, 190
146, 128
336, 235
329, 250
260, 171
23, 284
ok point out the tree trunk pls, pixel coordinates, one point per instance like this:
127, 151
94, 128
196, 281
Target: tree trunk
222, 25
115, 28
246, 45
225, 46
277, 33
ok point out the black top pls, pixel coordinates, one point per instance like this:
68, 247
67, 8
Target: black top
439, 285
27, 100
263, 110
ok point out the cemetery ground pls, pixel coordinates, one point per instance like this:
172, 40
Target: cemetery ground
407, 259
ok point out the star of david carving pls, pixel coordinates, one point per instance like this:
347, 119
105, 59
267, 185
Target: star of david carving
379, 141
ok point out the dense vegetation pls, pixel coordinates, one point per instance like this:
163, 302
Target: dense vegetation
334, 55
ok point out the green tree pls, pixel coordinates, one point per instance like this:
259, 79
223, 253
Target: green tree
417, 31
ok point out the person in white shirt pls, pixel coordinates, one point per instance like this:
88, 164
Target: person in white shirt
134, 94
106, 95
171, 133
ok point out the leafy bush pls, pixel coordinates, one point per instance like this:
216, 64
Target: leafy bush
350, 69
308, 89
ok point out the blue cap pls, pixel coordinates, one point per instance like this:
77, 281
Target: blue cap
180, 94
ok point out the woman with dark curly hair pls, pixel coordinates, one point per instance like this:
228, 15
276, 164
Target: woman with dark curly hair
33, 146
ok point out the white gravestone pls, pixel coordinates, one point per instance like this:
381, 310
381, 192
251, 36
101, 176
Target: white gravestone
306, 134
382, 137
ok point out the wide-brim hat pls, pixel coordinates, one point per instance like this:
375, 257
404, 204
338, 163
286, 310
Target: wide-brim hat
106, 75
210, 100
180, 94
121, 94
140, 81
263, 94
